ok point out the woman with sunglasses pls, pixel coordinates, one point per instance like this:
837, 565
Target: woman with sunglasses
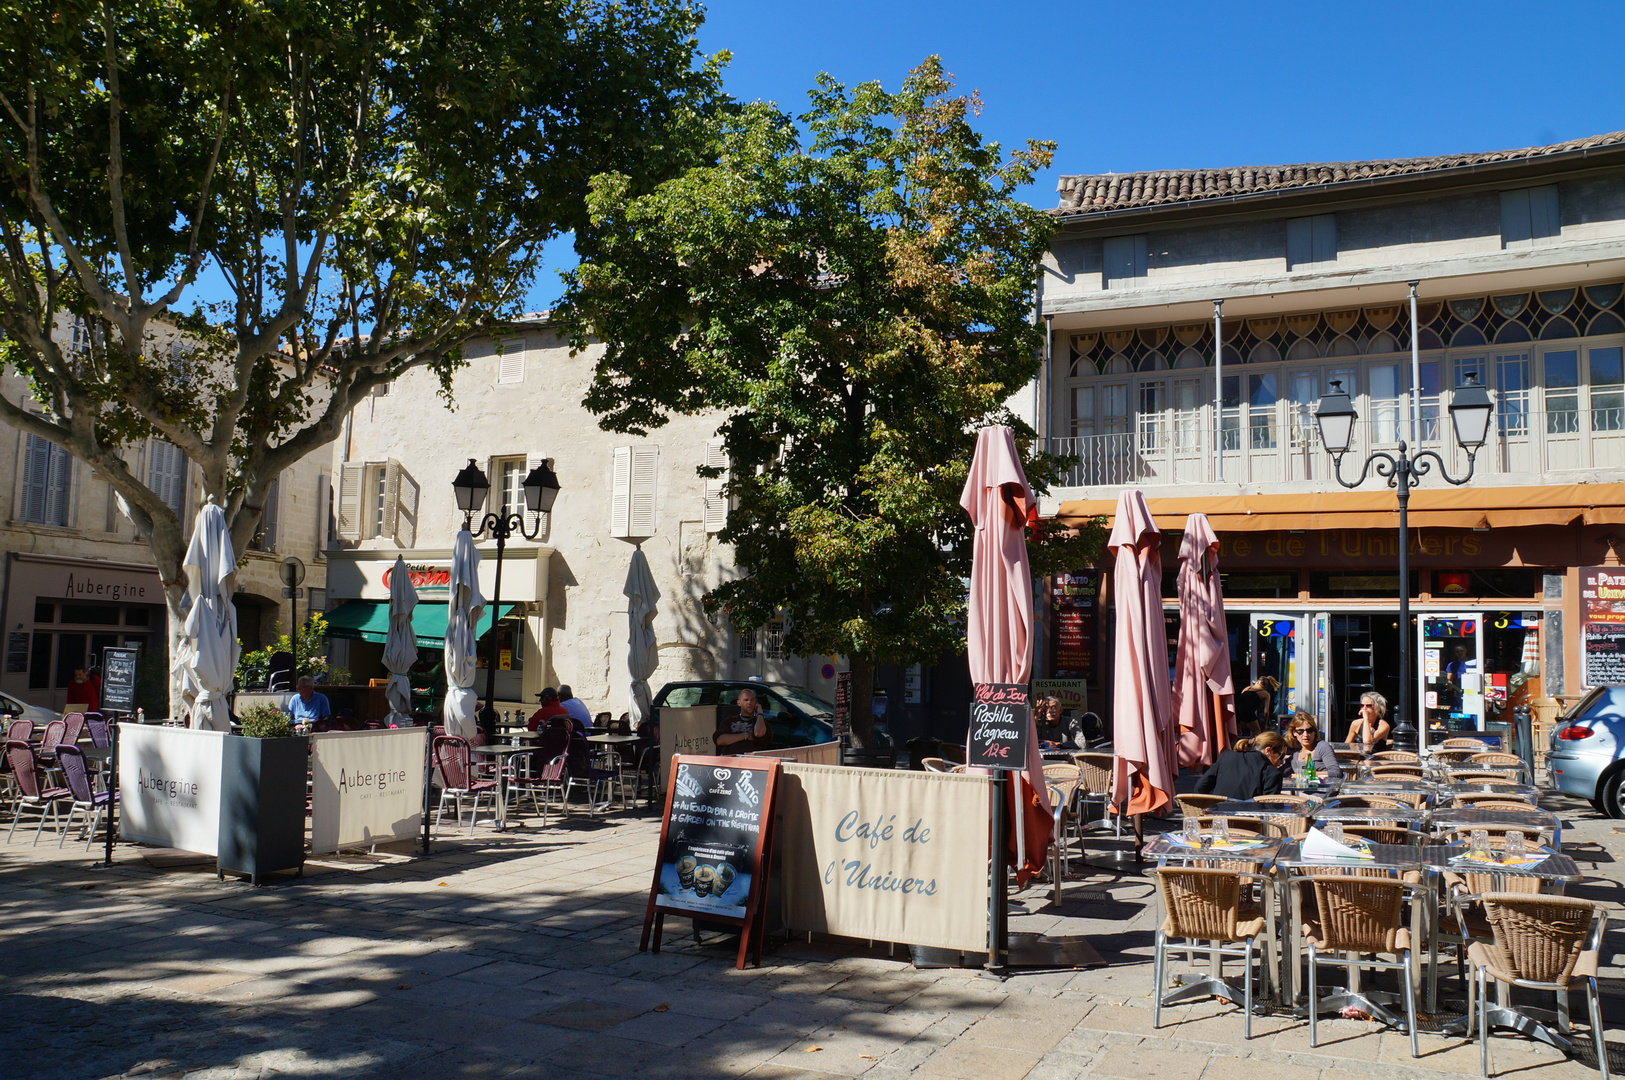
1371, 728
1307, 747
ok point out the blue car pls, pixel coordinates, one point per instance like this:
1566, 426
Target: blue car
1585, 757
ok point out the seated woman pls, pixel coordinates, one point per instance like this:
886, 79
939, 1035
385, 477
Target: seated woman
1251, 769
1306, 747
1371, 727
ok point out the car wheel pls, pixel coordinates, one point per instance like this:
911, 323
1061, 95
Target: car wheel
1610, 796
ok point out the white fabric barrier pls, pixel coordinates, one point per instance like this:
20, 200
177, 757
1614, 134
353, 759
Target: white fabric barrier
686, 731
885, 854
828, 753
169, 786
366, 787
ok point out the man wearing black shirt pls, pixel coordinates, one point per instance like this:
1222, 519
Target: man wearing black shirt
742, 729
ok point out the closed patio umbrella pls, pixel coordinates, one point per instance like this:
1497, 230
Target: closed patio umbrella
1142, 726
641, 655
999, 626
1203, 696
462, 616
400, 646
211, 648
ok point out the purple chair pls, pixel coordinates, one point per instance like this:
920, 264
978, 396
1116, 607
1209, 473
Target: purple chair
20, 730
73, 725
54, 732
451, 758
71, 760
100, 735
26, 772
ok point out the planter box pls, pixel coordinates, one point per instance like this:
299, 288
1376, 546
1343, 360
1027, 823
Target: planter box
262, 805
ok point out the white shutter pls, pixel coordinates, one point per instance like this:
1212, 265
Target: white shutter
390, 512
533, 461
620, 492
407, 529
716, 503
352, 477
511, 365
641, 514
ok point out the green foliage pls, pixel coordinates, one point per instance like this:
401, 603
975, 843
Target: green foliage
264, 721
858, 293
312, 653
373, 182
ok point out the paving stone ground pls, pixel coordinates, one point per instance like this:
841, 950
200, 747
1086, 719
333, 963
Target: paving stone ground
517, 956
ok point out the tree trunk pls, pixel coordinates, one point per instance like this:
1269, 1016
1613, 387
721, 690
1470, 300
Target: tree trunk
863, 692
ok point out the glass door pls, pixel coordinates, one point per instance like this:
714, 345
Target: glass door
1450, 675
1281, 652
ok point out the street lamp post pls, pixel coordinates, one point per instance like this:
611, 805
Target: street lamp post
541, 488
1470, 410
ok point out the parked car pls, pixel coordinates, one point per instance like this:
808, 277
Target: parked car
795, 715
19, 709
1587, 752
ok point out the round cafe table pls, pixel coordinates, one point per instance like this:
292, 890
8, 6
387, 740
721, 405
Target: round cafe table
500, 752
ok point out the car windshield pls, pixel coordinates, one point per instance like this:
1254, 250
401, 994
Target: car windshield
807, 702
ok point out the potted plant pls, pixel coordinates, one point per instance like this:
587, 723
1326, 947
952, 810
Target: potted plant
262, 804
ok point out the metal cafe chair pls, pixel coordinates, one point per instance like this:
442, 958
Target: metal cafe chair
451, 758
1360, 916
1204, 905
84, 796
1538, 943
25, 770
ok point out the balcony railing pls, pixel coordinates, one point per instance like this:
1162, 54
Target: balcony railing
1178, 449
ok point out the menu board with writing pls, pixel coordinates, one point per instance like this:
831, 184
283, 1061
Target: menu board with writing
1072, 621
843, 703
17, 652
1602, 630
715, 842
118, 679
1000, 726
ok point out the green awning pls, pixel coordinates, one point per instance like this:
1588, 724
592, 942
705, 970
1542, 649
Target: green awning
368, 620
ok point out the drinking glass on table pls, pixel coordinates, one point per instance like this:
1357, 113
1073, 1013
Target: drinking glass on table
1334, 831
1221, 830
1513, 846
1478, 844
1193, 832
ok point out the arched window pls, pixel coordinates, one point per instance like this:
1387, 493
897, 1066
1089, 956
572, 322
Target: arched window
1303, 349
1510, 333
1190, 358
1264, 353
1343, 345
1154, 361
1467, 337
1558, 328
1606, 323
1119, 365
1382, 343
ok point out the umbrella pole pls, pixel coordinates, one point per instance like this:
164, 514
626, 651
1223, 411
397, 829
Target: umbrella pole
428, 771
998, 944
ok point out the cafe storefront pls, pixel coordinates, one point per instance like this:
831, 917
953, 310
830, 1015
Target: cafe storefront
60, 613
358, 619
1311, 587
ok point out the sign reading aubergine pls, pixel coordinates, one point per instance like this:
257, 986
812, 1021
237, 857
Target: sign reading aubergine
1072, 621
999, 726
366, 787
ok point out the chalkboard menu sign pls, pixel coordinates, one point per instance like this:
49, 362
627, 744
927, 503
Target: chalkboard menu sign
118, 680
843, 703
715, 844
17, 652
1000, 726
1602, 615
1604, 654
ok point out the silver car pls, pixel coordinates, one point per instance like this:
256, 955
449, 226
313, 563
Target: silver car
22, 710
1587, 753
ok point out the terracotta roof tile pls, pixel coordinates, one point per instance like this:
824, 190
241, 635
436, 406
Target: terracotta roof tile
1124, 191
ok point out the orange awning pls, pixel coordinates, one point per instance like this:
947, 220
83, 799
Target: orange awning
1446, 508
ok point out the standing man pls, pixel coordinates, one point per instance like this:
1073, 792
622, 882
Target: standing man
574, 705
307, 706
743, 732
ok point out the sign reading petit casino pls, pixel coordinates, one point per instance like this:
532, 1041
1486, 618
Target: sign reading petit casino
888, 855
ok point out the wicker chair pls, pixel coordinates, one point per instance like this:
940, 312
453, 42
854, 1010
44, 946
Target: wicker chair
1375, 802
1539, 943
1497, 834
1360, 915
1485, 777
1238, 826
1348, 757
1449, 756
1464, 744
1197, 805
1381, 834
1397, 772
1398, 757
1498, 760
934, 764
1204, 904
1500, 800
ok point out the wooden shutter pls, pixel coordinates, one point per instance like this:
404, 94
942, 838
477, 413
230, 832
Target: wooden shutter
620, 492
641, 514
511, 365
36, 477
389, 518
407, 522
716, 502
58, 486
352, 478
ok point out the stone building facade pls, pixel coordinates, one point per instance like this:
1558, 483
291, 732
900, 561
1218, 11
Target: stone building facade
1518, 260
516, 403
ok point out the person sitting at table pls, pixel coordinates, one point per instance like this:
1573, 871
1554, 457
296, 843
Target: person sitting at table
306, 706
1306, 747
574, 706
1055, 729
550, 708
1371, 726
1250, 769
742, 728
85, 689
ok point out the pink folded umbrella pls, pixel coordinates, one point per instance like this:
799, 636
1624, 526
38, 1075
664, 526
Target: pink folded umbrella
1142, 723
1203, 695
999, 629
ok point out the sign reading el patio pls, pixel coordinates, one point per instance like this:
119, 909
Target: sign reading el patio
999, 726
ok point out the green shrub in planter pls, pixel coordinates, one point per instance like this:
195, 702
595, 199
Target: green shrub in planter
265, 721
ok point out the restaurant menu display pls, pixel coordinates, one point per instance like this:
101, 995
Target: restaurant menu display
1602, 629
118, 679
1072, 621
843, 703
715, 840
1000, 726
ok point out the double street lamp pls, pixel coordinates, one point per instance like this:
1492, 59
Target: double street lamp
1470, 411
541, 488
